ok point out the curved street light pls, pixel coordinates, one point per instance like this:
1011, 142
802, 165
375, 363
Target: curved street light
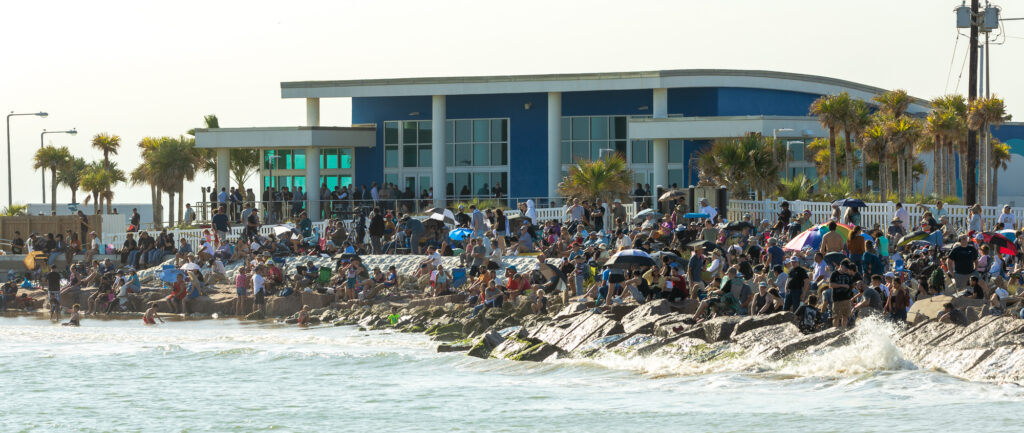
72, 132
43, 114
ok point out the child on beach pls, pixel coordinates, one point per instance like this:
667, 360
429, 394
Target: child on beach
177, 295
75, 319
241, 290
151, 316
304, 316
540, 305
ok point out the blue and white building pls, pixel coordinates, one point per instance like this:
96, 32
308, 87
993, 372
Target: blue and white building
465, 135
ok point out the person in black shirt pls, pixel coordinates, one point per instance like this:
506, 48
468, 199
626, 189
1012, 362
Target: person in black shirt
841, 283
976, 289
952, 315
17, 244
797, 283
53, 293
962, 260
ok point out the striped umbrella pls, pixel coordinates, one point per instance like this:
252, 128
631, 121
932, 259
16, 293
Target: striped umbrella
809, 238
843, 229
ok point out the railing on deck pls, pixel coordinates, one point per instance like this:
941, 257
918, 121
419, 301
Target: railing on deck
873, 213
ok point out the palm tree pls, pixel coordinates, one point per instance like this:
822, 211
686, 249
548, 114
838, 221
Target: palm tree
145, 174
982, 114
114, 176
71, 175
741, 164
53, 158
875, 143
603, 180
893, 103
1000, 159
95, 181
905, 133
857, 118
109, 145
956, 138
938, 125
830, 110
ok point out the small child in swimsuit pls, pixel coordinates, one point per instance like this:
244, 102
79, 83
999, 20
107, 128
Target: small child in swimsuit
304, 316
151, 315
75, 318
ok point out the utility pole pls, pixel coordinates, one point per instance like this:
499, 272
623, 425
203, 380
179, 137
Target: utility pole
970, 182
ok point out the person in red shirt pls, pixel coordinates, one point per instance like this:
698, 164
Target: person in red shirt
177, 295
517, 284
675, 284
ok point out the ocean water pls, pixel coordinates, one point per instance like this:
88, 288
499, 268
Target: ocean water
231, 376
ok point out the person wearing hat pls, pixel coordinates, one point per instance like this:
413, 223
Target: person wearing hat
896, 228
708, 209
1008, 219
618, 212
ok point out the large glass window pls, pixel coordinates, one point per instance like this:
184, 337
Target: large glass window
390, 132
391, 156
592, 137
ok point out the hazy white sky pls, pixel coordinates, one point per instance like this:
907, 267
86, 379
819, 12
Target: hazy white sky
141, 69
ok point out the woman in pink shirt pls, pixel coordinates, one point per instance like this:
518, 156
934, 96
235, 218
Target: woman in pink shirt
242, 290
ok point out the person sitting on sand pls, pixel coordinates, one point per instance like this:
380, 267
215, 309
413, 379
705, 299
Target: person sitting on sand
304, 316
151, 316
177, 295
75, 318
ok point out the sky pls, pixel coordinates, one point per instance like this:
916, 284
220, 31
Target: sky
138, 69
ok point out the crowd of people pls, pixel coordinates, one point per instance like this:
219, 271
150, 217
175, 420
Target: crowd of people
830, 272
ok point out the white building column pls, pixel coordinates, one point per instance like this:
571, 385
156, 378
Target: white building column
438, 179
313, 183
554, 142
312, 111
660, 146
224, 169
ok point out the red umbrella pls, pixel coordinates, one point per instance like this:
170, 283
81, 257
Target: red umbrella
1004, 245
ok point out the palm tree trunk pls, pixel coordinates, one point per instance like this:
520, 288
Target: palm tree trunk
832, 169
158, 209
963, 174
181, 201
849, 160
994, 196
937, 169
53, 191
170, 208
74, 195
110, 198
882, 194
900, 185
96, 202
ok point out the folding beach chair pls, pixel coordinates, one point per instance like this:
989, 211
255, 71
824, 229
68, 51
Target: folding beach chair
458, 277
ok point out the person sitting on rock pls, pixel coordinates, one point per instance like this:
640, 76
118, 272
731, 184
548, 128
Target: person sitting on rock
491, 296
440, 280
540, 304
807, 315
720, 301
303, 319
950, 314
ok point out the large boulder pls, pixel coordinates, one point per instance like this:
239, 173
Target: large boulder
576, 331
929, 308
720, 328
755, 322
572, 310
642, 318
283, 305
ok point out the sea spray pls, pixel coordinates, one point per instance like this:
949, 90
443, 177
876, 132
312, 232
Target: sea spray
870, 346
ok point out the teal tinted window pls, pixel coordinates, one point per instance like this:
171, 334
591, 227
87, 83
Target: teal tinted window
598, 128
463, 131
499, 130
425, 155
409, 156
675, 151
390, 132
481, 131
345, 157
425, 132
391, 156
409, 131
581, 128
566, 129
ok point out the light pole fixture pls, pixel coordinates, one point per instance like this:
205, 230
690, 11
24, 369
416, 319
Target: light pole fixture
775, 137
71, 131
43, 114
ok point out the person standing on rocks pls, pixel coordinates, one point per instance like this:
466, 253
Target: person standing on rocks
258, 289
961, 264
694, 270
377, 226
842, 282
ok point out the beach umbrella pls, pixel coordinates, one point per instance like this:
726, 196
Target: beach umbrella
643, 214
659, 255
809, 238
280, 230
459, 234
834, 258
849, 202
1004, 245
33, 258
919, 235
549, 271
190, 267
739, 225
673, 195
696, 215
708, 245
1010, 234
626, 258
844, 230
434, 210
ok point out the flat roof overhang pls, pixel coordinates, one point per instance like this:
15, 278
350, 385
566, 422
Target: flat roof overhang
286, 137
702, 128
682, 78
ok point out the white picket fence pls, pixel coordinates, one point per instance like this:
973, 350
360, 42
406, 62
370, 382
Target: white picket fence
194, 236
874, 213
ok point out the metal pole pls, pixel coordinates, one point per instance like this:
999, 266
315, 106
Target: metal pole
970, 181
10, 199
42, 173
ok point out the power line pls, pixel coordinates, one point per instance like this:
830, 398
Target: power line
952, 59
962, 65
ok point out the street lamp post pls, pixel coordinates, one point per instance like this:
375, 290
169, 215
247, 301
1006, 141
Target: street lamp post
10, 200
71, 131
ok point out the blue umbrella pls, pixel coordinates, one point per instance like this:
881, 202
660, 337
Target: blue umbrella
1009, 234
696, 215
459, 234
849, 202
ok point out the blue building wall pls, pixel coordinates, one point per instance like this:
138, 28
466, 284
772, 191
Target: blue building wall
528, 127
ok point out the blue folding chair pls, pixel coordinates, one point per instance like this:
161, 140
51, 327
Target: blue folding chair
458, 277
169, 274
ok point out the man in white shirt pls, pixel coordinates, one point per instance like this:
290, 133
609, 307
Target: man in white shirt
706, 208
1008, 219
901, 213
258, 283
937, 212
374, 193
